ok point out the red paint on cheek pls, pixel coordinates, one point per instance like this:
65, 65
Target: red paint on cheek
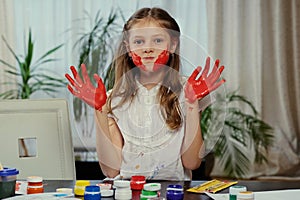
137, 60
162, 59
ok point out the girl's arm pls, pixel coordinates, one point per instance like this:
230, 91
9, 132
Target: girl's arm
192, 143
109, 143
196, 88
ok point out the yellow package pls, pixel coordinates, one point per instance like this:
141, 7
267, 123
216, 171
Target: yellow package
212, 186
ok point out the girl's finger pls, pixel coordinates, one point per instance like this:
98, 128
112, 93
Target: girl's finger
72, 91
99, 82
195, 73
72, 82
214, 77
206, 69
76, 76
85, 76
215, 69
216, 85
70, 79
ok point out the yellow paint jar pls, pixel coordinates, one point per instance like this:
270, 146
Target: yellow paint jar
79, 187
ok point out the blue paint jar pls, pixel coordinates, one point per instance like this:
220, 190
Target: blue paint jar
175, 192
8, 177
92, 192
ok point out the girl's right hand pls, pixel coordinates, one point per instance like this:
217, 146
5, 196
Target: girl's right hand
85, 90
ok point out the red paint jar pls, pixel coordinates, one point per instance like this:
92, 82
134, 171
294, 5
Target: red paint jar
35, 185
137, 182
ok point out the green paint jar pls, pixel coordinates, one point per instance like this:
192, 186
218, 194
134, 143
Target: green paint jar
234, 190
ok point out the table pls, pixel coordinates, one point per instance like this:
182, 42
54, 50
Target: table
253, 185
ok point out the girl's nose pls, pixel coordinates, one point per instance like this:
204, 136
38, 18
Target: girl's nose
148, 47
148, 50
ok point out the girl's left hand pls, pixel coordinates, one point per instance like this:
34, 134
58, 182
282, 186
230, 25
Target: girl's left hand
206, 83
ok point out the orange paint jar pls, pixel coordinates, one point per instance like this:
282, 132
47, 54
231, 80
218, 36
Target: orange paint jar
35, 185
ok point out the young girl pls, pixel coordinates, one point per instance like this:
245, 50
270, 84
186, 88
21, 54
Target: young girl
149, 123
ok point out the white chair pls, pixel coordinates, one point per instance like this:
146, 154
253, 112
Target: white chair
35, 138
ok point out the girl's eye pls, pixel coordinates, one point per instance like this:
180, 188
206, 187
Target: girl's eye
138, 42
158, 40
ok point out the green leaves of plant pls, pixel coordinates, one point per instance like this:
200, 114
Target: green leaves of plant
241, 131
95, 51
31, 78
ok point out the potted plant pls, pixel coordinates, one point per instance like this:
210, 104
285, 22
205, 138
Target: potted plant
31, 77
240, 130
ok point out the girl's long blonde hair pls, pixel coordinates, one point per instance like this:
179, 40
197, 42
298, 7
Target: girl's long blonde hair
125, 70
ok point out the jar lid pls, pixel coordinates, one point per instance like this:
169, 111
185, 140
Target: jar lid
121, 183
92, 188
175, 187
82, 183
138, 178
65, 190
136, 186
34, 179
137, 182
9, 171
236, 189
245, 194
152, 186
104, 186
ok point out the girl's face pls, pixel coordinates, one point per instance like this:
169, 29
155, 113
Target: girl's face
150, 46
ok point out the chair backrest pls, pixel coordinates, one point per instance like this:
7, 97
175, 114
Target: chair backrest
35, 138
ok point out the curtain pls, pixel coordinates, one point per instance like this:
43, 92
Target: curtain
258, 42
6, 31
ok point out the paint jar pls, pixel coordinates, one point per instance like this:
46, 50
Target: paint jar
246, 195
234, 190
92, 192
137, 182
122, 190
35, 185
79, 187
150, 191
175, 192
8, 177
136, 185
